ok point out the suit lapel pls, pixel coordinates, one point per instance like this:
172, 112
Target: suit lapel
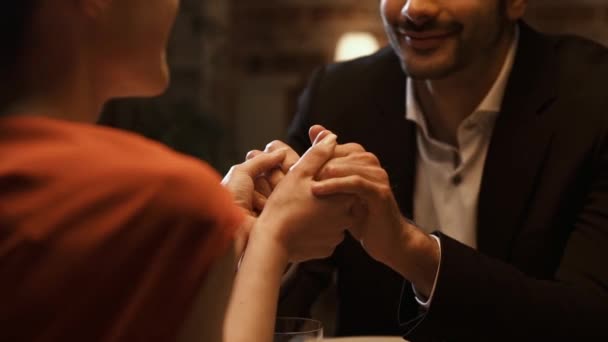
518, 146
396, 142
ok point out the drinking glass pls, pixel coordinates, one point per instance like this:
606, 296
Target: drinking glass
296, 329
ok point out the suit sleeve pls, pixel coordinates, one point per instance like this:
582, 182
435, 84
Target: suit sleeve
478, 298
297, 135
303, 284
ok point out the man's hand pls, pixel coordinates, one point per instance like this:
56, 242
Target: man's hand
378, 224
378, 220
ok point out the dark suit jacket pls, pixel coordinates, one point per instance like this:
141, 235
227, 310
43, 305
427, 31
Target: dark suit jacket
540, 270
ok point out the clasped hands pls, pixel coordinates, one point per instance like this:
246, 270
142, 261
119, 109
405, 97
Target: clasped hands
311, 201
306, 204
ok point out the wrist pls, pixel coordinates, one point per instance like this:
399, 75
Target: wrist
262, 239
419, 258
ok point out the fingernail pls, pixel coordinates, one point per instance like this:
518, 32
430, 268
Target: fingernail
250, 155
330, 139
320, 137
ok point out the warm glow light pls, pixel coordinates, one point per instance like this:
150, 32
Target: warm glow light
355, 44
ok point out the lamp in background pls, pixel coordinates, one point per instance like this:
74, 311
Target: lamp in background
355, 44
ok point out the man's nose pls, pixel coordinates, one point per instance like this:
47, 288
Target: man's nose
420, 11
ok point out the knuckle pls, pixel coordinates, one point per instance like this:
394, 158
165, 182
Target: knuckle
252, 154
358, 181
274, 180
356, 147
276, 173
352, 148
349, 149
381, 175
370, 158
385, 192
274, 145
385, 177
328, 171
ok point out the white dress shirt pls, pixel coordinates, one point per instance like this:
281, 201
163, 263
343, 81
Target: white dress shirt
448, 178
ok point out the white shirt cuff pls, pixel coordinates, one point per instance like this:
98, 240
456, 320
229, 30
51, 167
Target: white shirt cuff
425, 303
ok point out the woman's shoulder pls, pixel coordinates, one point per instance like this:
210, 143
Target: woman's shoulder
183, 184
110, 163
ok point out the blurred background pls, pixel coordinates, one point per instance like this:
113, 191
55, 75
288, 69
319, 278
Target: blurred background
238, 66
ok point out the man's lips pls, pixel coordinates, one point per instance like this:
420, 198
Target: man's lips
426, 35
426, 40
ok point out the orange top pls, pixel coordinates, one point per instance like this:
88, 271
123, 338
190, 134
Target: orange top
104, 235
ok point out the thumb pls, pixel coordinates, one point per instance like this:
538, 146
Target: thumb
316, 156
314, 131
263, 162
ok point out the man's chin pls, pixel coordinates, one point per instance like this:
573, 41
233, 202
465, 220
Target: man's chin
428, 72
428, 65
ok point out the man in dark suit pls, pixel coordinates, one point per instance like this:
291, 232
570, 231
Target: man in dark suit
494, 138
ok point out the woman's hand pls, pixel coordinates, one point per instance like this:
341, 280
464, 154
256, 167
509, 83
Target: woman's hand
301, 225
240, 181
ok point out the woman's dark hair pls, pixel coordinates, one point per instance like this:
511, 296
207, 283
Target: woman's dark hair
15, 16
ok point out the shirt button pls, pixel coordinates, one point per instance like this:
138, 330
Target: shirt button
456, 180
